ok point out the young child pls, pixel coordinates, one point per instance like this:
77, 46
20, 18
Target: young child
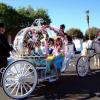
50, 55
43, 47
50, 45
38, 50
58, 56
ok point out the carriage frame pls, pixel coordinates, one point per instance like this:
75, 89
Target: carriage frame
22, 75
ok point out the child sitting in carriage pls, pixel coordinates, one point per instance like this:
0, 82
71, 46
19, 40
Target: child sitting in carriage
50, 56
58, 55
55, 55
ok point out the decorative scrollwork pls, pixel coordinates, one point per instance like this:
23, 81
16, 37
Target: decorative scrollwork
38, 22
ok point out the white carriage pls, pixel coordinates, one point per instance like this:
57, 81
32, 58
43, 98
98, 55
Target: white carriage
29, 68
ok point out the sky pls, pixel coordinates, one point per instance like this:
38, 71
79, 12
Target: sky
72, 13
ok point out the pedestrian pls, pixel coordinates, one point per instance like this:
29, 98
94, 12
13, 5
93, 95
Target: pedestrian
78, 45
60, 31
96, 46
89, 42
5, 48
69, 49
84, 51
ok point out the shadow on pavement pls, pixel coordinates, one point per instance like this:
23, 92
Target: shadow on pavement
69, 87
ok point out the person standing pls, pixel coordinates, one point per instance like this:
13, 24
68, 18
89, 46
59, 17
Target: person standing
69, 50
5, 48
60, 31
84, 51
78, 45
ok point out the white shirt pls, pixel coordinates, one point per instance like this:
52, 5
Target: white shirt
78, 44
89, 42
84, 48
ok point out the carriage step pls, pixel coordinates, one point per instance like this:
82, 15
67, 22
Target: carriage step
48, 78
40, 67
53, 79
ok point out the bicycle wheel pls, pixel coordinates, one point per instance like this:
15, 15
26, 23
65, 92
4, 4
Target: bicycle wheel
95, 61
82, 66
19, 79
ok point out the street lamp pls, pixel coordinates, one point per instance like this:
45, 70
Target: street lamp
88, 20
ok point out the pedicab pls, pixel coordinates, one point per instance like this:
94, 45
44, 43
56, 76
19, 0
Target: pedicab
28, 68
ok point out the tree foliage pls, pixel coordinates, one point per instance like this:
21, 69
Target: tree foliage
75, 33
92, 32
26, 16
10, 17
20, 18
29, 15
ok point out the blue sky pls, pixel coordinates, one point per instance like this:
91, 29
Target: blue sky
68, 12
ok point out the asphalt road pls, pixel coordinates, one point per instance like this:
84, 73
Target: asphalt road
68, 87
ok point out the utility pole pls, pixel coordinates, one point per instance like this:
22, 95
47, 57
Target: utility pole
88, 21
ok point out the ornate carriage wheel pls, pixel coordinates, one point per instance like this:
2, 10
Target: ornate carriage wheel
19, 79
82, 66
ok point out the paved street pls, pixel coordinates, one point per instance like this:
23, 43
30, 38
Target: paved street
68, 87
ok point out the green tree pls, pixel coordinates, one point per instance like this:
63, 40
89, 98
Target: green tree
10, 17
26, 16
29, 15
75, 33
20, 18
42, 13
92, 31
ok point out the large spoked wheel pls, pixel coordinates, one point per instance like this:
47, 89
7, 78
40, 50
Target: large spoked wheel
95, 61
82, 66
19, 79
